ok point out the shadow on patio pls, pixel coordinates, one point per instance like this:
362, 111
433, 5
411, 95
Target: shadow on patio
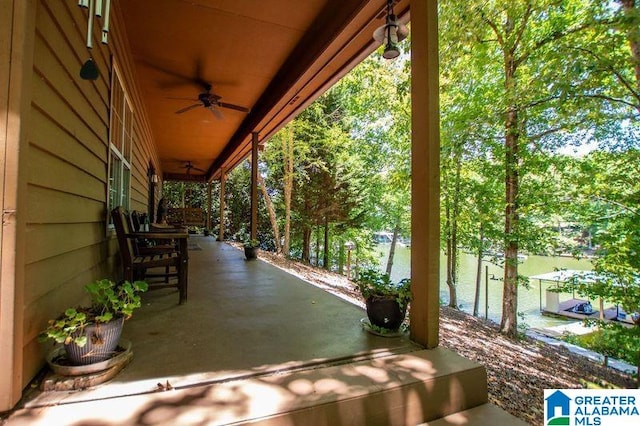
254, 342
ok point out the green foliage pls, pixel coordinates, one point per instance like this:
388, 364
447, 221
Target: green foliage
372, 282
611, 339
108, 301
251, 243
605, 195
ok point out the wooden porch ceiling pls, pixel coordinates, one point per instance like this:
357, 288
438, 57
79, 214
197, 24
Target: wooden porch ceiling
273, 56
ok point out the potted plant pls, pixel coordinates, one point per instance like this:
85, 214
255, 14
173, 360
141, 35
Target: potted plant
251, 248
385, 300
91, 334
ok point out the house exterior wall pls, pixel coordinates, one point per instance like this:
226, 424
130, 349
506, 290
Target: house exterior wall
16, 43
64, 169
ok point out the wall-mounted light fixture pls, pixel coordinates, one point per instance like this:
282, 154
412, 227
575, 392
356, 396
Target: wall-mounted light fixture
391, 33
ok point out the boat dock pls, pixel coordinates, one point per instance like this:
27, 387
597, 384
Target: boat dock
566, 308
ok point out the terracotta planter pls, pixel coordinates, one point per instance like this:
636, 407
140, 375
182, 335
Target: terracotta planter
102, 341
251, 253
385, 312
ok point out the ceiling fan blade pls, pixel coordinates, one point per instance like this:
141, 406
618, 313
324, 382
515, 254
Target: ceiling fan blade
216, 112
189, 108
232, 106
181, 99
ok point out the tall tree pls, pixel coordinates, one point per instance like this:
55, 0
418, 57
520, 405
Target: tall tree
288, 157
377, 104
521, 39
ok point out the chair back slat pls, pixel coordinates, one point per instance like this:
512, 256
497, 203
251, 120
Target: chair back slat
121, 223
135, 220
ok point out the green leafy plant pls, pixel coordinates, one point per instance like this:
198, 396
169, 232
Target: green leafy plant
371, 282
251, 243
108, 301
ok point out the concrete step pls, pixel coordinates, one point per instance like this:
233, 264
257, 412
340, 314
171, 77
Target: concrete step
399, 389
483, 415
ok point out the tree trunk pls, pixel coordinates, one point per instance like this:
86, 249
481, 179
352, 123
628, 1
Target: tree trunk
317, 245
272, 214
392, 249
447, 227
341, 257
452, 210
325, 258
306, 244
287, 153
509, 322
476, 299
633, 34
453, 293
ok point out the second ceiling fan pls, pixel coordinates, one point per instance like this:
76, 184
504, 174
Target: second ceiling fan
212, 102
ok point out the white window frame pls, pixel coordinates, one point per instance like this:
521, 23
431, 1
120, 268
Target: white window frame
121, 117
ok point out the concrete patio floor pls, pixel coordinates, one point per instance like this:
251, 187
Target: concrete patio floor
256, 345
242, 318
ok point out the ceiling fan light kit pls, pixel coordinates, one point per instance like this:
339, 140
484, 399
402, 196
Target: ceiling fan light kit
391, 33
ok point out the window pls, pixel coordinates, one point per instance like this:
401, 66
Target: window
121, 138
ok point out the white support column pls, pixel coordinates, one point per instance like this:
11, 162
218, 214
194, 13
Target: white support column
425, 173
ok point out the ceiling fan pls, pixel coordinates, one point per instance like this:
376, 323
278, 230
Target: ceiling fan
211, 101
189, 166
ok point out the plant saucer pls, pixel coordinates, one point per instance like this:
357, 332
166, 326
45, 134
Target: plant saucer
378, 331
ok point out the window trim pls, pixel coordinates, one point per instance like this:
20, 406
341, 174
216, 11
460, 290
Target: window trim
119, 126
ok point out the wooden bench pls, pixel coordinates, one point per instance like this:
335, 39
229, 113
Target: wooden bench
189, 216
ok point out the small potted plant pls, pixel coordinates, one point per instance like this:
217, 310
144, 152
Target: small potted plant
251, 248
91, 334
385, 300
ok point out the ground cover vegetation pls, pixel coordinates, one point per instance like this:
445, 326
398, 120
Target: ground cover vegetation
522, 85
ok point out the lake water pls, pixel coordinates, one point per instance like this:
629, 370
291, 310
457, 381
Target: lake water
528, 299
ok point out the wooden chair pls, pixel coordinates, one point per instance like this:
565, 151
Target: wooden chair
136, 262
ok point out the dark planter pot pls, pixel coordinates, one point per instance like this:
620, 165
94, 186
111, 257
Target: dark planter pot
251, 253
102, 341
385, 312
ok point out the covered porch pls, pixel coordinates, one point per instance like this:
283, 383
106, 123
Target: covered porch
252, 344
256, 344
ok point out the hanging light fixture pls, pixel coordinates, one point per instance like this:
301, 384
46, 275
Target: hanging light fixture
391, 33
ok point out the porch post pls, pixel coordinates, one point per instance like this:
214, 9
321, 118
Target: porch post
223, 184
254, 185
17, 33
425, 174
207, 222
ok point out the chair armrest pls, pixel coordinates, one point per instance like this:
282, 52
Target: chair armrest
159, 235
